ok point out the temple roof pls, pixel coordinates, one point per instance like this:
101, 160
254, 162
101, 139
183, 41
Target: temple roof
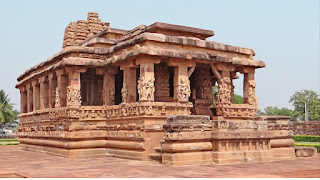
116, 40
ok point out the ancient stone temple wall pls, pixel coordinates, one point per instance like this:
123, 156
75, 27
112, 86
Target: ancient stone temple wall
112, 92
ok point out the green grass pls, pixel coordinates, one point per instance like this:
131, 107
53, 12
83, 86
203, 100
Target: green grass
8, 140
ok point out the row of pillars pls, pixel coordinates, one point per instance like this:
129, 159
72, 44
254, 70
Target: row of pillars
40, 93
145, 85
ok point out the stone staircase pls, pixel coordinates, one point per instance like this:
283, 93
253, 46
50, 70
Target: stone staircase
157, 155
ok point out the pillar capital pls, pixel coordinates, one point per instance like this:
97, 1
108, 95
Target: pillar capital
42, 79
112, 70
35, 82
22, 88
60, 72
173, 62
147, 59
28, 85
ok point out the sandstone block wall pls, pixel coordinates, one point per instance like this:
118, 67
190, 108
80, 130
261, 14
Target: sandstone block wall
305, 128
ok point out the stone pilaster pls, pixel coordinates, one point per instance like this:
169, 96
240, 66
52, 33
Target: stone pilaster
129, 88
62, 83
52, 84
109, 85
43, 92
29, 98
36, 95
23, 101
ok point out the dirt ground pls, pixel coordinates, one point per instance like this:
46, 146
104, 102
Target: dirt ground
19, 163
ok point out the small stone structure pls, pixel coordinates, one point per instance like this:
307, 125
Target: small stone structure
110, 91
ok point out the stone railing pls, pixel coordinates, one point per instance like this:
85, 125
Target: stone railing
92, 113
238, 111
34, 116
147, 109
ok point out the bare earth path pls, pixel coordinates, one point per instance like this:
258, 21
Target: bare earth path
19, 163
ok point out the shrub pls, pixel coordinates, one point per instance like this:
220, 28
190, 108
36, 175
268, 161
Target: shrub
307, 138
9, 144
310, 145
8, 140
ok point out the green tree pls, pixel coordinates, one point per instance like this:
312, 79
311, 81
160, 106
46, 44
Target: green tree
238, 99
311, 99
7, 114
275, 111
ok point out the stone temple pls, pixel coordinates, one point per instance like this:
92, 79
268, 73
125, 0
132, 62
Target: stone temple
146, 94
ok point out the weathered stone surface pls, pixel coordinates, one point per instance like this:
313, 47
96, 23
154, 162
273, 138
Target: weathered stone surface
304, 151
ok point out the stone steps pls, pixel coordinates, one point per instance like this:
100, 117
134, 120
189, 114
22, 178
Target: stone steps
158, 149
155, 157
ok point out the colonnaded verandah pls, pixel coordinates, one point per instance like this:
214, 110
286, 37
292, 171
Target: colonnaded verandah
146, 94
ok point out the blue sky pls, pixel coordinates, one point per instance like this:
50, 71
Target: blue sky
284, 34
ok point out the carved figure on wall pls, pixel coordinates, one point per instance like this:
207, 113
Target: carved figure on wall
224, 91
57, 100
146, 89
73, 96
108, 95
184, 90
124, 92
252, 93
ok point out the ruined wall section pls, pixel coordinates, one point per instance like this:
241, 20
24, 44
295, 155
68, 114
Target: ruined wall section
77, 32
305, 128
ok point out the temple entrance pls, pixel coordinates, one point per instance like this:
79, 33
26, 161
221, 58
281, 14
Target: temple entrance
201, 82
91, 88
118, 86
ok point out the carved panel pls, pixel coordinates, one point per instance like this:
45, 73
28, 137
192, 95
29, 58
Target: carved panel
73, 96
146, 89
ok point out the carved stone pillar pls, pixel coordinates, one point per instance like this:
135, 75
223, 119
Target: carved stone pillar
181, 79
62, 83
109, 85
146, 79
248, 77
43, 92
23, 99
52, 84
29, 98
224, 87
73, 89
36, 95
129, 88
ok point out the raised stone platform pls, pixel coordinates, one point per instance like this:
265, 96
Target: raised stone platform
19, 163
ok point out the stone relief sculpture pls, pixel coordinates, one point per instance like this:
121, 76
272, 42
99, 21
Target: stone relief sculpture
224, 91
124, 92
73, 96
57, 100
184, 90
252, 93
146, 89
